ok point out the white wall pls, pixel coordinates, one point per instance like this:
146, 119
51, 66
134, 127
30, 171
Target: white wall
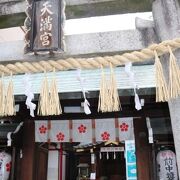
53, 166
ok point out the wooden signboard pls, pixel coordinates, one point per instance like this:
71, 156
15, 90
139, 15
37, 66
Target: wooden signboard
46, 26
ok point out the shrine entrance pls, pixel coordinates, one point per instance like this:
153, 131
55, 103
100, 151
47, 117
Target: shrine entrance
102, 158
105, 160
87, 152
113, 168
110, 159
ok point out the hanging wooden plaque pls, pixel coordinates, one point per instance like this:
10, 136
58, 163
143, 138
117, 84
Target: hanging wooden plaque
46, 26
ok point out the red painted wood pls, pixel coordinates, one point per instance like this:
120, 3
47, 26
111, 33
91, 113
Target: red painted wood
60, 161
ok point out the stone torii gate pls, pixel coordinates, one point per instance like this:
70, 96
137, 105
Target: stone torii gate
166, 15
166, 24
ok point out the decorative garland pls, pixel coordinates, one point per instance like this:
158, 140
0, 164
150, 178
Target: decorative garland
108, 100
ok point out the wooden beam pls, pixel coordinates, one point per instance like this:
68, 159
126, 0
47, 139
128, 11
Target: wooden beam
143, 149
95, 94
28, 150
151, 109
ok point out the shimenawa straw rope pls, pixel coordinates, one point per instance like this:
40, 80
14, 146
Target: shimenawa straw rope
106, 103
91, 63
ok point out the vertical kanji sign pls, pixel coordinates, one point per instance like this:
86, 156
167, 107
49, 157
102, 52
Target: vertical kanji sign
166, 164
46, 26
130, 154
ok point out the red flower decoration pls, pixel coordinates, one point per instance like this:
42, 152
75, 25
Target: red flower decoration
60, 136
43, 129
105, 136
124, 127
82, 128
8, 166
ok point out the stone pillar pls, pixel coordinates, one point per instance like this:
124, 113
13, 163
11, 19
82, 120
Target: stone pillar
166, 15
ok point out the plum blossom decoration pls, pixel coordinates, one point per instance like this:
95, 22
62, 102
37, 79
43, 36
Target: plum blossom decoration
43, 129
105, 136
124, 127
82, 128
60, 136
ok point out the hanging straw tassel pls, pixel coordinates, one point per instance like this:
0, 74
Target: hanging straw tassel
43, 104
161, 85
108, 97
9, 100
103, 94
55, 106
2, 97
114, 100
174, 76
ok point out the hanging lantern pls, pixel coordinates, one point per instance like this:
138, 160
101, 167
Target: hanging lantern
5, 165
167, 169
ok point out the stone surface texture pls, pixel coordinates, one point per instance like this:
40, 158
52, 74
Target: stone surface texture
85, 44
166, 15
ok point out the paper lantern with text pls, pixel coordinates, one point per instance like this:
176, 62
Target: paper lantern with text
5, 165
167, 168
